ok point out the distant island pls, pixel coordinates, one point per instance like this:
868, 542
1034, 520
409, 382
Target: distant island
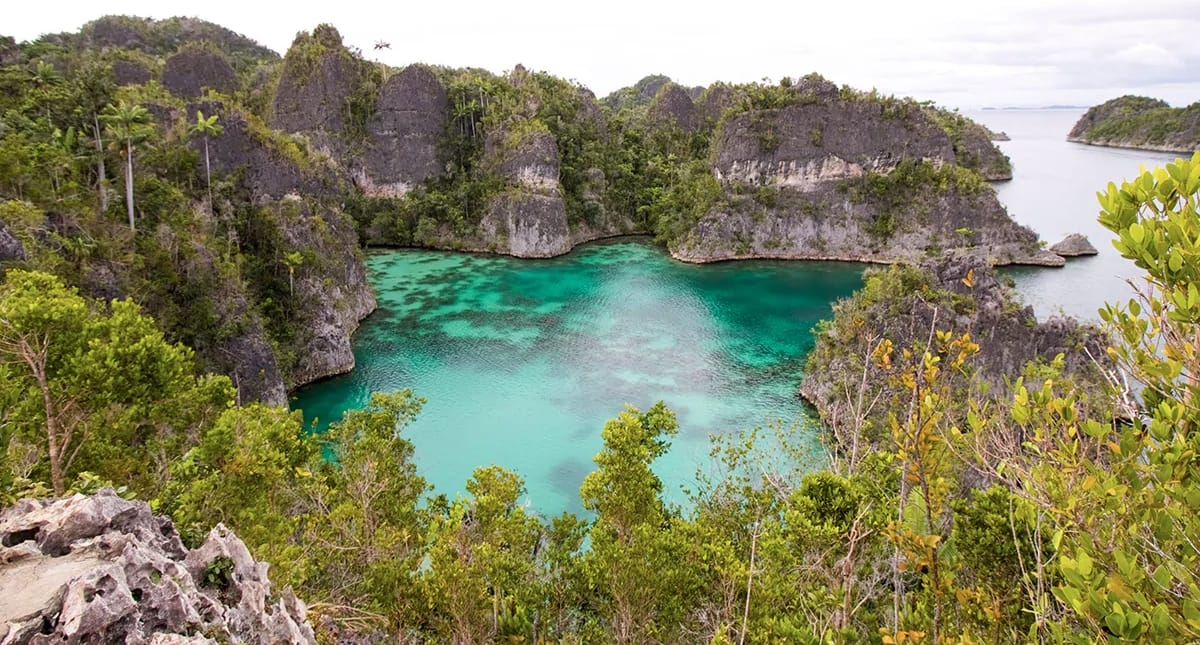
1038, 107
1140, 122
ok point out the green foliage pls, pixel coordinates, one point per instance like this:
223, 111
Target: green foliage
218, 574
1129, 566
99, 388
968, 137
368, 495
1138, 120
481, 579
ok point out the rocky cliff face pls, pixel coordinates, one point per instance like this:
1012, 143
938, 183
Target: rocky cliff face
831, 178
529, 219
298, 200
190, 71
11, 249
402, 150
101, 569
130, 72
673, 106
318, 78
1140, 122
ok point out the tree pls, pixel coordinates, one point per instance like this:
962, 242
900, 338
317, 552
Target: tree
482, 576
292, 260
98, 388
250, 471
1128, 521
130, 126
369, 528
206, 128
641, 559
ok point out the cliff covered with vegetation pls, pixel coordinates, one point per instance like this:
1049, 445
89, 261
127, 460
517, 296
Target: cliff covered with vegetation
1140, 122
970, 495
181, 215
229, 190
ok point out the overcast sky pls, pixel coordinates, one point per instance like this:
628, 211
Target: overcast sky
957, 52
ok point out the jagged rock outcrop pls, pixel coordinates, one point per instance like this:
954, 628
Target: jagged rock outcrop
11, 249
849, 179
331, 282
526, 159
101, 569
165, 37
271, 164
130, 72
530, 219
187, 73
673, 106
973, 148
527, 225
958, 293
714, 101
319, 77
247, 356
1139, 122
402, 149
298, 196
1074, 245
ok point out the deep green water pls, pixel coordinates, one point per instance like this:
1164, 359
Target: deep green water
523, 361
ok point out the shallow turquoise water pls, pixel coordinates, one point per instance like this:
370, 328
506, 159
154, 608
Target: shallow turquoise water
523, 361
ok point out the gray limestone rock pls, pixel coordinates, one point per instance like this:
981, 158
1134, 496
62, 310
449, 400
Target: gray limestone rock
125, 577
189, 72
673, 105
11, 249
528, 225
130, 72
531, 161
409, 119
318, 78
794, 175
1074, 245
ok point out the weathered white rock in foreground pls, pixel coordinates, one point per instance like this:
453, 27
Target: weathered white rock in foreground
102, 569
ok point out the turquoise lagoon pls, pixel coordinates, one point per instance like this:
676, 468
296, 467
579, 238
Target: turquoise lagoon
522, 361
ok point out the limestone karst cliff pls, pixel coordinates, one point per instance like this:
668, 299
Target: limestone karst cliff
322, 151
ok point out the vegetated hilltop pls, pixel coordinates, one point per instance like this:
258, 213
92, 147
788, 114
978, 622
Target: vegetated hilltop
255, 179
1140, 122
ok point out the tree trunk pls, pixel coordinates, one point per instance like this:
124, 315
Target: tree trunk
100, 173
208, 177
36, 360
129, 182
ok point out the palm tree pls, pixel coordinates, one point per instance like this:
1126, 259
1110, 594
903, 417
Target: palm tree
291, 261
128, 125
206, 127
